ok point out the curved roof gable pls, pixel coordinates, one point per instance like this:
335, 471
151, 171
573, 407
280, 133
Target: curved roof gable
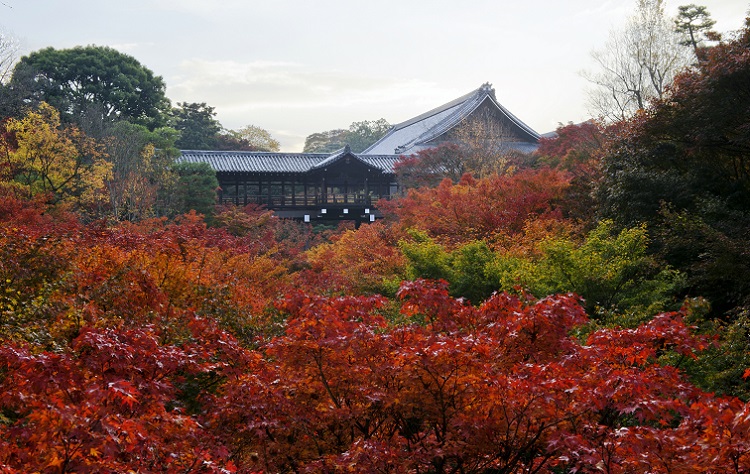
334, 157
413, 134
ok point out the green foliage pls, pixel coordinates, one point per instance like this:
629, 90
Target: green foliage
427, 258
197, 126
695, 23
721, 368
196, 188
365, 133
74, 80
472, 275
359, 136
611, 271
469, 269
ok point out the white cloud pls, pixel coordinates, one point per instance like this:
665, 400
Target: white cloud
200, 7
267, 84
130, 48
283, 96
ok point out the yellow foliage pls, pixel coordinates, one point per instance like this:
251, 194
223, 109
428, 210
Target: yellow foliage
60, 162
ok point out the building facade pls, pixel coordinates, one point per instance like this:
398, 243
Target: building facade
307, 186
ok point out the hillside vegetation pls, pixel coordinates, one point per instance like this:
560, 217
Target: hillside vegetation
587, 310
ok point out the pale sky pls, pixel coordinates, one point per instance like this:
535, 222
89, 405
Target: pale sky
296, 67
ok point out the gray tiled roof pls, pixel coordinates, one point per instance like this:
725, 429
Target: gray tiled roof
268, 162
384, 162
412, 135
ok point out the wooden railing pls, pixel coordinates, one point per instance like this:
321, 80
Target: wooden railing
285, 201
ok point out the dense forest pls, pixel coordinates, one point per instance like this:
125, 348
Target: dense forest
587, 309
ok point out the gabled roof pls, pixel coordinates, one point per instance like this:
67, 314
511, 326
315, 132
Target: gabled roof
415, 134
383, 162
267, 162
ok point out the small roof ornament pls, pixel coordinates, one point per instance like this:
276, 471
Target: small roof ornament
488, 89
347, 148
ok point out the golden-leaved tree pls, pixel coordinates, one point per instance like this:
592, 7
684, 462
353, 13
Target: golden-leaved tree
44, 157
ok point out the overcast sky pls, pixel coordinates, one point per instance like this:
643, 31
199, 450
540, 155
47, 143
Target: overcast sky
295, 67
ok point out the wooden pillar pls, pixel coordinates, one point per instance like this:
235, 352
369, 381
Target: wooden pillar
268, 194
244, 188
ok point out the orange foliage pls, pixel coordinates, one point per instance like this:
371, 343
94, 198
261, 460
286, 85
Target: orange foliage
355, 262
59, 275
481, 209
109, 404
116, 354
501, 387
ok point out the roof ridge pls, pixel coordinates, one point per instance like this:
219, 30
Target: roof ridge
483, 90
449, 121
253, 152
441, 108
461, 115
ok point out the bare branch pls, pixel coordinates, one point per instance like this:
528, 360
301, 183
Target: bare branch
636, 64
9, 51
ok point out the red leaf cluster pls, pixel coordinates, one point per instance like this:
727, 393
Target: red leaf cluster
481, 209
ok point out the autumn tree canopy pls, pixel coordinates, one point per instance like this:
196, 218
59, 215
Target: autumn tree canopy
43, 157
682, 167
508, 322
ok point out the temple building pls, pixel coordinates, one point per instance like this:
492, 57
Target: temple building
476, 112
307, 186
345, 185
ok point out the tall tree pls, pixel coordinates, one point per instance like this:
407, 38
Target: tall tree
429, 167
141, 170
636, 64
196, 188
8, 55
365, 133
44, 158
72, 80
695, 23
483, 141
197, 126
683, 168
326, 142
257, 138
